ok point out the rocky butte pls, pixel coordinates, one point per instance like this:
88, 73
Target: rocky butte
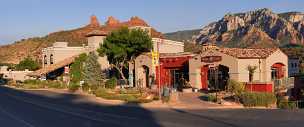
259, 28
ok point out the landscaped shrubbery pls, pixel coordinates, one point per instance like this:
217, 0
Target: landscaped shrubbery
257, 99
36, 84
131, 96
209, 97
212, 97
235, 87
284, 104
73, 86
111, 83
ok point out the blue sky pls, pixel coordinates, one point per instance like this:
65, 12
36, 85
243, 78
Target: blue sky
28, 18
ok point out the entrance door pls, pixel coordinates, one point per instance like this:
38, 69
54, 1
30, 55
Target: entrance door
204, 77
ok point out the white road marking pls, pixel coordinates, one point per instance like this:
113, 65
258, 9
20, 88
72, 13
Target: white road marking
16, 118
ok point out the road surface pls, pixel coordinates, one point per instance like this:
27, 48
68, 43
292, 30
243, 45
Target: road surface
50, 109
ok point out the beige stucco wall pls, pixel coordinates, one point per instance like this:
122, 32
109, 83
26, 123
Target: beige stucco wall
167, 46
276, 57
141, 60
243, 73
95, 41
238, 67
61, 51
195, 65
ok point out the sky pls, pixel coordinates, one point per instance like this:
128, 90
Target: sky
30, 18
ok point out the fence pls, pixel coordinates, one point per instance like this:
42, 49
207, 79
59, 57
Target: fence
284, 83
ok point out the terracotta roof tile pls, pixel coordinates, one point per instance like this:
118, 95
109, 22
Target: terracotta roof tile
248, 52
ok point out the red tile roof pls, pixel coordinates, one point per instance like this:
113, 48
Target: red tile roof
248, 52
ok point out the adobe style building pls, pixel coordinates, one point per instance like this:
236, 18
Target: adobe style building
212, 67
60, 55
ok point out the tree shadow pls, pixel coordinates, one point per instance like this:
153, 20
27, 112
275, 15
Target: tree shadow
49, 109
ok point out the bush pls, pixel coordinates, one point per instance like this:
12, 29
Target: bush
211, 98
33, 84
85, 87
235, 87
287, 104
28, 63
257, 99
111, 83
108, 94
73, 86
56, 84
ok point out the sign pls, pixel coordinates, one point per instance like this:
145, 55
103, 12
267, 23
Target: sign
155, 56
66, 70
211, 59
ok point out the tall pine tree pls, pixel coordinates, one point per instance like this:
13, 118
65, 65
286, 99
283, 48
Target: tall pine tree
93, 74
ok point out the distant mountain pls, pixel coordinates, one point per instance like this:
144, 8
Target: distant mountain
259, 28
183, 36
32, 47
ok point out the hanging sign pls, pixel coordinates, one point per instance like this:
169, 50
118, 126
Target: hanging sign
211, 59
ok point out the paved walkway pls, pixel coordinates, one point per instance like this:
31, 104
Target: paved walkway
194, 101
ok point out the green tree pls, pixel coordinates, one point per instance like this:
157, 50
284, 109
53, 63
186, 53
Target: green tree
93, 75
27, 63
77, 68
124, 45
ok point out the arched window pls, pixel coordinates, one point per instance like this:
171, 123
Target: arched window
45, 59
51, 59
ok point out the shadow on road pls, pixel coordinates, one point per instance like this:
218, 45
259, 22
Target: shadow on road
44, 108
207, 118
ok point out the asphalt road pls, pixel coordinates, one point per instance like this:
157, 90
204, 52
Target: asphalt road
49, 109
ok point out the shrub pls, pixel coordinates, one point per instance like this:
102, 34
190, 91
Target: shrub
235, 87
257, 99
85, 87
73, 86
56, 84
287, 105
27, 63
108, 94
33, 84
211, 98
111, 83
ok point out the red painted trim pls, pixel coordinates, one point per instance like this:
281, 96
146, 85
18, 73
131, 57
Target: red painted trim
259, 87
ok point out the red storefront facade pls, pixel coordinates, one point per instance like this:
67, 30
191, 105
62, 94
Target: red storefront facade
172, 68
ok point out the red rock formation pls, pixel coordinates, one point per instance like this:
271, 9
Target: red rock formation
112, 21
94, 21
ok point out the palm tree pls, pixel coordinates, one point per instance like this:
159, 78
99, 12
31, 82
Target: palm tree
251, 70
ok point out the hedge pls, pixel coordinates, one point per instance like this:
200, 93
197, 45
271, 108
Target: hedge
257, 99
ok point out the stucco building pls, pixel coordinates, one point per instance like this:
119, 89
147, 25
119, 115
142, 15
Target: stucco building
213, 66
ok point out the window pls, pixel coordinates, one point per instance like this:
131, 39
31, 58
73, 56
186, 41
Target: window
51, 59
45, 59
